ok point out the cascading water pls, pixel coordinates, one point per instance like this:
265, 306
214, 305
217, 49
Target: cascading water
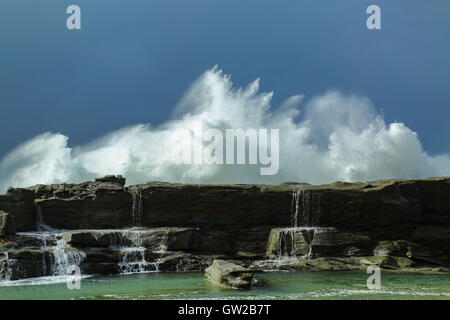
134, 253
162, 248
8, 267
296, 241
60, 255
57, 255
306, 208
140, 249
136, 212
64, 257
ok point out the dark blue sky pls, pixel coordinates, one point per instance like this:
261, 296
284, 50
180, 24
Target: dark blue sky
133, 59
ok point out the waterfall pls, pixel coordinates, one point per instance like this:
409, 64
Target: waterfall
288, 241
136, 212
60, 255
294, 208
64, 257
306, 208
162, 249
8, 267
296, 241
133, 260
133, 254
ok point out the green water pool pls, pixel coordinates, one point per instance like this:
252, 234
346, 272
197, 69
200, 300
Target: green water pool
274, 285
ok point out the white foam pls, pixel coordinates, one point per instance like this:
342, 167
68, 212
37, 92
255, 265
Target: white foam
332, 137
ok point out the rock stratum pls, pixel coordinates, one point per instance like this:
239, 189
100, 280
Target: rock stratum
104, 227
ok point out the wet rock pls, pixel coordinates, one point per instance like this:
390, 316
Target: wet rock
23, 263
391, 248
328, 264
229, 275
183, 262
7, 224
96, 238
290, 241
111, 180
19, 203
335, 242
260, 283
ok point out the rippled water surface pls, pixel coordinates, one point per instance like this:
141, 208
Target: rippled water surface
273, 285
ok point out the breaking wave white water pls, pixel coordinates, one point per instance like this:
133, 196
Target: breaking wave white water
335, 137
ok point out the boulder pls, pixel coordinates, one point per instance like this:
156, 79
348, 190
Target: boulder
229, 275
102, 255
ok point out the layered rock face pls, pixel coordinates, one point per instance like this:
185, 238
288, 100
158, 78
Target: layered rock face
104, 227
19, 203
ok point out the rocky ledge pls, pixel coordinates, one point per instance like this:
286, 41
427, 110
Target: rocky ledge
105, 228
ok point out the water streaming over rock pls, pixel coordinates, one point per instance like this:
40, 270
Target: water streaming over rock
295, 242
61, 255
57, 256
8, 267
65, 256
306, 211
306, 208
137, 251
136, 211
134, 254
